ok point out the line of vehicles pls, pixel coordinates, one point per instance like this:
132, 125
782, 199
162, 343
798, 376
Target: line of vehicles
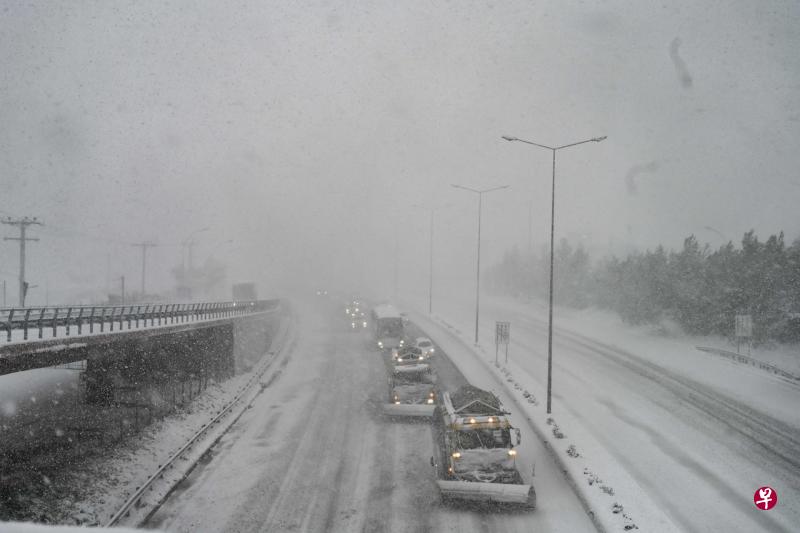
474, 452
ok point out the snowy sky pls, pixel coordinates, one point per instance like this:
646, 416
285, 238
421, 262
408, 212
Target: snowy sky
306, 132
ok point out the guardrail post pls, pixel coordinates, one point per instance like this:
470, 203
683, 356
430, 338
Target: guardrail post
55, 321
102, 319
111, 319
25, 324
69, 315
91, 321
10, 319
39, 322
80, 319
121, 316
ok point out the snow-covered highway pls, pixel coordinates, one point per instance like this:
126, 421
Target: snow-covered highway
314, 453
697, 434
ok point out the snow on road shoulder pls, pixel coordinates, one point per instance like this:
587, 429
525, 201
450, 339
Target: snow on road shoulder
615, 501
113, 479
606, 326
772, 394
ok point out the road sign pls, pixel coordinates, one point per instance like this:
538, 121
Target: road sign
502, 332
744, 330
502, 335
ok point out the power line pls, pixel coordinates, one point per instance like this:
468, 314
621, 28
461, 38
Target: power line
23, 224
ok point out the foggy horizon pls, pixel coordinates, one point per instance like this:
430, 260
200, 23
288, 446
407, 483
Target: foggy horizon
303, 136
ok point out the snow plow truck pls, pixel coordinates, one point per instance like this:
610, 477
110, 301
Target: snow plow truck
412, 389
474, 456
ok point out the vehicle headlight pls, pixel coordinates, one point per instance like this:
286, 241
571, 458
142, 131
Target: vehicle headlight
430, 400
380, 344
364, 324
396, 402
512, 452
402, 342
456, 455
431, 395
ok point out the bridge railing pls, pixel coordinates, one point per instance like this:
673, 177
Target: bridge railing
63, 321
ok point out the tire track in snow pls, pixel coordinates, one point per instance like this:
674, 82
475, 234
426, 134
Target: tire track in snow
306, 482
785, 440
732, 415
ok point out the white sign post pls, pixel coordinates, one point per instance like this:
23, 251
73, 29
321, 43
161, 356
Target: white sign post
744, 330
502, 335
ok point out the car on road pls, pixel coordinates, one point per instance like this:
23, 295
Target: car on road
358, 323
407, 354
426, 346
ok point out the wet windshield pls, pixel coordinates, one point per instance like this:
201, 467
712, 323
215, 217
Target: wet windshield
584, 215
483, 438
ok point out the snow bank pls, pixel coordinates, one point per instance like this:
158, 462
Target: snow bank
613, 499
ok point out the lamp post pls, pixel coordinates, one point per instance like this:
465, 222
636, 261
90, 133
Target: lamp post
553, 149
187, 244
480, 194
430, 255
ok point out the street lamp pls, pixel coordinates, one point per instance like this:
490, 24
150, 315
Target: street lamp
188, 275
430, 256
480, 194
189, 243
553, 149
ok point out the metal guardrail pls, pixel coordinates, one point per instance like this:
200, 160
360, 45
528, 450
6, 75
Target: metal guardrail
136, 316
750, 361
135, 500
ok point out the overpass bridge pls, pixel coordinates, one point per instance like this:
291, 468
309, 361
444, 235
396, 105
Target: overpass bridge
129, 345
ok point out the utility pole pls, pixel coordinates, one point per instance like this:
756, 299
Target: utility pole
430, 271
396, 260
4, 293
122, 279
23, 224
144, 246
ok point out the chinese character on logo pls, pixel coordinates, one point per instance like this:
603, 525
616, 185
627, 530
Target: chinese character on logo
765, 498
